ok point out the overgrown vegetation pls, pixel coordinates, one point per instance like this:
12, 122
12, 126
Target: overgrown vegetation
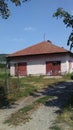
22, 87
28, 86
68, 76
3, 89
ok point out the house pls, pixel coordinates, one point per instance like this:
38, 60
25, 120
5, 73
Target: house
43, 58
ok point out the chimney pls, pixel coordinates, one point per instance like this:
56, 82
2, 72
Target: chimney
49, 41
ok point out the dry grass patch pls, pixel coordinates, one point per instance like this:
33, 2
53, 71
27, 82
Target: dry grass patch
20, 117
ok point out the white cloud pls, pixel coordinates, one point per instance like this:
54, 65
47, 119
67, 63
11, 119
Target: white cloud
28, 29
18, 39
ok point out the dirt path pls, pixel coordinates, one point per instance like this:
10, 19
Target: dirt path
41, 119
5, 113
45, 115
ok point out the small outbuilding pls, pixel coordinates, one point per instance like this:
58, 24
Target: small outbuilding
43, 58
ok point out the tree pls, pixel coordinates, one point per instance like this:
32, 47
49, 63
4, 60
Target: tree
68, 21
4, 8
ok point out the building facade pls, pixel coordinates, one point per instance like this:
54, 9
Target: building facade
41, 59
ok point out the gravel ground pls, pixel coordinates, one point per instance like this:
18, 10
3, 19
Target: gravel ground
41, 119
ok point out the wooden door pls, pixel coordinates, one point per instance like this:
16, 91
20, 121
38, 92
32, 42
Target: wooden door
48, 68
56, 69
21, 69
53, 68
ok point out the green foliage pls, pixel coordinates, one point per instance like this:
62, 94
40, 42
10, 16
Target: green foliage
55, 127
68, 21
67, 18
68, 76
70, 40
26, 86
3, 97
2, 66
27, 108
4, 9
3, 57
44, 99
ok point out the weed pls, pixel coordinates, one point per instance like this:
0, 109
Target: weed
68, 76
55, 127
43, 99
27, 108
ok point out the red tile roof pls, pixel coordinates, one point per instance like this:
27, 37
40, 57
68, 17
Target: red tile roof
45, 47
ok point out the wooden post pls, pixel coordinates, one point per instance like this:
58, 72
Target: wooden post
7, 79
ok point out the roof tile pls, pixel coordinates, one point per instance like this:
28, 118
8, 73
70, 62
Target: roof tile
45, 47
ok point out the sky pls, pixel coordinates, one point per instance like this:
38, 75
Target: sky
29, 22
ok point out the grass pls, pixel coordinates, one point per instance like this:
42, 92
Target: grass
65, 118
68, 76
55, 127
28, 85
27, 108
43, 100
67, 112
22, 87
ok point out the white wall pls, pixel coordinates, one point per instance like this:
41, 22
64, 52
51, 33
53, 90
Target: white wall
36, 67
70, 59
37, 64
12, 69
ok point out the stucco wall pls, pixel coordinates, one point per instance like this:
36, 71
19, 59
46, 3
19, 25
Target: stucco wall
70, 68
37, 64
36, 67
12, 69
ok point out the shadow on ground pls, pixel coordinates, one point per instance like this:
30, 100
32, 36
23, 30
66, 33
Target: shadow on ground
3, 98
61, 91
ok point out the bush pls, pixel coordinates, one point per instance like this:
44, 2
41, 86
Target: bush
68, 76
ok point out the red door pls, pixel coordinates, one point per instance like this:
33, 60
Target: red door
48, 68
21, 69
53, 68
56, 68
